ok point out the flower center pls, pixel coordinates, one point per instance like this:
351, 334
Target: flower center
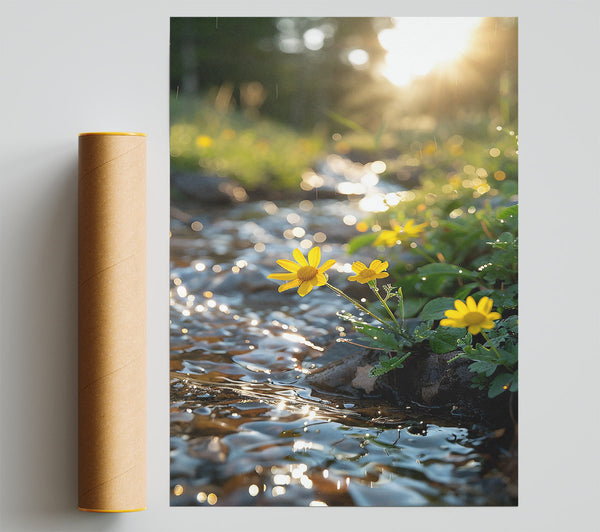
306, 273
367, 274
474, 318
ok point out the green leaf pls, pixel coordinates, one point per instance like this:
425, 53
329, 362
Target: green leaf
368, 330
446, 339
479, 381
386, 341
389, 364
378, 337
479, 352
504, 241
508, 212
511, 324
445, 269
510, 352
361, 241
465, 341
423, 331
412, 306
434, 310
483, 367
501, 383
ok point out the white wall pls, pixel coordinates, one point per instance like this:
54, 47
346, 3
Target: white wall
68, 67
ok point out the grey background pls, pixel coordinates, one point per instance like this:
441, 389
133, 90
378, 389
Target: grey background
69, 67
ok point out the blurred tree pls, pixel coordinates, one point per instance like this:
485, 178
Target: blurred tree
304, 71
301, 63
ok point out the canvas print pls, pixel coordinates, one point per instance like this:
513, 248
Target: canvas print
344, 274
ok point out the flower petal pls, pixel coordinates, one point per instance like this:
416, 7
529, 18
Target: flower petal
288, 265
386, 238
474, 329
326, 265
321, 279
353, 278
485, 305
452, 323
291, 284
487, 324
314, 256
358, 266
454, 314
461, 307
471, 305
305, 288
382, 266
494, 316
282, 276
374, 264
299, 258
382, 275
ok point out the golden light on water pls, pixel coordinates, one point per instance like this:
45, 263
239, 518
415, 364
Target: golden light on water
415, 45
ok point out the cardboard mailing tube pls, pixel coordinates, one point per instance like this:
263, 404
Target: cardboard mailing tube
112, 322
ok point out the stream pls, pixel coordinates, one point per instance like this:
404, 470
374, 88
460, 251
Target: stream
246, 427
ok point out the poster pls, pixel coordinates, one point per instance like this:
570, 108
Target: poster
344, 278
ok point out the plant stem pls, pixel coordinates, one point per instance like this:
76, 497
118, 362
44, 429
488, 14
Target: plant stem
376, 290
401, 298
493, 348
344, 341
358, 305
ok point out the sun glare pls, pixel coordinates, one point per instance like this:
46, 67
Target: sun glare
416, 45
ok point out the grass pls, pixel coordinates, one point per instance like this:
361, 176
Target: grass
258, 153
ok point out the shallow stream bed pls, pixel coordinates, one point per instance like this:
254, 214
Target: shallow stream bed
246, 427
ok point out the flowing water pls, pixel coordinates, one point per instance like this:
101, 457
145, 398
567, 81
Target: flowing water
246, 426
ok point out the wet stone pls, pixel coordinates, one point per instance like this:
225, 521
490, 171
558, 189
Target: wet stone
208, 189
426, 379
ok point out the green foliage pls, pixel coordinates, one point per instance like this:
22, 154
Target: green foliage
488, 244
502, 382
379, 338
445, 270
361, 241
495, 362
258, 153
388, 364
446, 340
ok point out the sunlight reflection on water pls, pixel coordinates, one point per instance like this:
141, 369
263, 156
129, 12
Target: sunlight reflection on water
246, 428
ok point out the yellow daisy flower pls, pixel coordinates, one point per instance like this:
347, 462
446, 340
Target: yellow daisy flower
387, 238
411, 230
391, 237
364, 274
474, 316
302, 273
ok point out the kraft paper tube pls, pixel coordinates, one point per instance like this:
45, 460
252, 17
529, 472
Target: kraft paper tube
112, 322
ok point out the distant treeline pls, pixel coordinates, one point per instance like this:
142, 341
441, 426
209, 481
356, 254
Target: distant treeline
297, 70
